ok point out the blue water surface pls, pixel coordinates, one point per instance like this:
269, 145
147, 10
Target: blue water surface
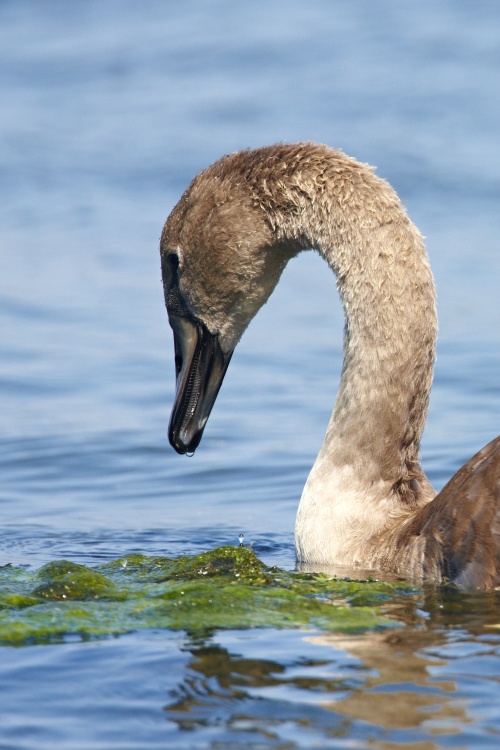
109, 108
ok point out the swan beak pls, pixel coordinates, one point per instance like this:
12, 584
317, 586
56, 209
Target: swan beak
200, 366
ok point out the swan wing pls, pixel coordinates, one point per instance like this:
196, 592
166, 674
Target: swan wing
461, 525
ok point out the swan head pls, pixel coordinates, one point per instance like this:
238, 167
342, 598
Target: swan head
220, 263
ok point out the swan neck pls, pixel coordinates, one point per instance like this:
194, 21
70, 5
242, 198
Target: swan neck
357, 223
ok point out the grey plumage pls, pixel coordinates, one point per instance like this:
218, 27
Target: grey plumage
367, 502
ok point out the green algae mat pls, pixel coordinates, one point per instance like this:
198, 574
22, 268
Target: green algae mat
228, 587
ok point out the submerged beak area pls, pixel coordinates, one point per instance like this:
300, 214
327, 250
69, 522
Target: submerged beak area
200, 366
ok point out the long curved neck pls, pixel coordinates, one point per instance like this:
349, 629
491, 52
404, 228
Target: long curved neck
389, 346
371, 450
387, 292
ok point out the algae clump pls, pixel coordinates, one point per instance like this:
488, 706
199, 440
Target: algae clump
65, 580
228, 587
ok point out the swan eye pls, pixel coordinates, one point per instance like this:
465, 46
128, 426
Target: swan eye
170, 263
173, 259
174, 299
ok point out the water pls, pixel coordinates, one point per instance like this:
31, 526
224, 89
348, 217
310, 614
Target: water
108, 110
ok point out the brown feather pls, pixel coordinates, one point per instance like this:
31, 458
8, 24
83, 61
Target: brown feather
367, 501
461, 526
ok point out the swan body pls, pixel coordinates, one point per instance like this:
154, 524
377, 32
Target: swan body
367, 502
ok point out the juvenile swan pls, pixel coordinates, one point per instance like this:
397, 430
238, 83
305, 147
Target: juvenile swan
367, 502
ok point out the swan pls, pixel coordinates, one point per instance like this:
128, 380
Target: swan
367, 502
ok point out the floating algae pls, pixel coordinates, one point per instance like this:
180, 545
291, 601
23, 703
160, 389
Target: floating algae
228, 587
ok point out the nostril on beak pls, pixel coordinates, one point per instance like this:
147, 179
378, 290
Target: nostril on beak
177, 357
178, 362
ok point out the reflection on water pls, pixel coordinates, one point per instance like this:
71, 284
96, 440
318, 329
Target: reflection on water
424, 687
413, 681
382, 688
